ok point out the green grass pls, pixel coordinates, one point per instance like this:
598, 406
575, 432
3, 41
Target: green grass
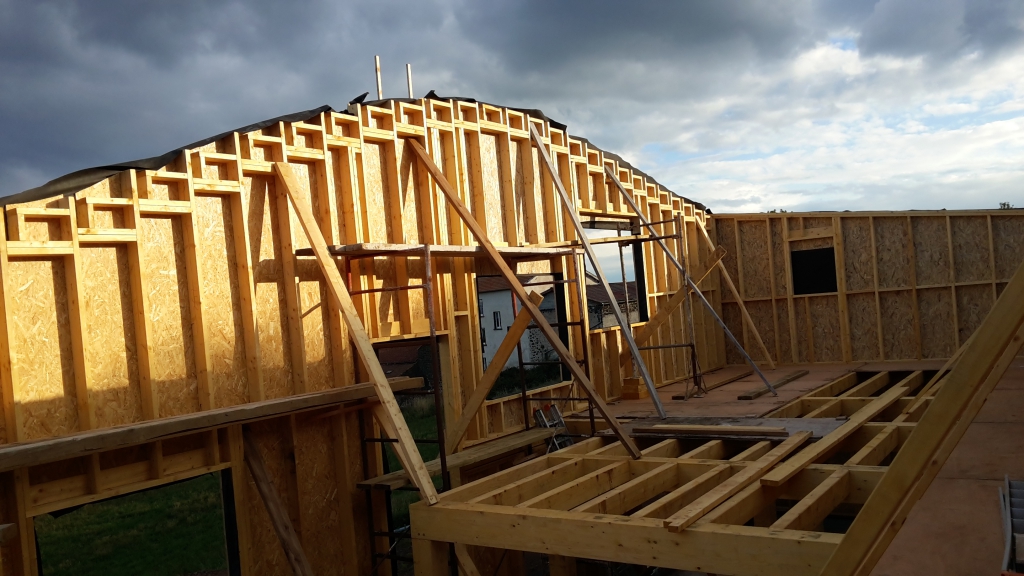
173, 530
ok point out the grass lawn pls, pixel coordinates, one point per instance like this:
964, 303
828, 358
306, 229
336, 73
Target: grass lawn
173, 530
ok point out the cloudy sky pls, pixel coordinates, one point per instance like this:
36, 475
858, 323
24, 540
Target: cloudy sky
745, 106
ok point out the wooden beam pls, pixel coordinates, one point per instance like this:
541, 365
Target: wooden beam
22, 454
753, 394
707, 548
812, 509
494, 369
739, 300
823, 447
986, 358
702, 430
520, 292
406, 447
275, 509
692, 512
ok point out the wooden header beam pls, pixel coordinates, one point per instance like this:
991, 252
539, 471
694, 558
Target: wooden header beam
517, 288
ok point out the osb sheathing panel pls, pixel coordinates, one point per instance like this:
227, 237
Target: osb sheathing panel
972, 305
863, 312
970, 248
494, 204
222, 312
860, 265
733, 318
754, 249
1008, 242
726, 230
828, 343
783, 337
114, 394
520, 194
271, 315
41, 343
172, 351
931, 250
898, 332
802, 327
938, 335
761, 313
892, 243
779, 256
274, 440
318, 496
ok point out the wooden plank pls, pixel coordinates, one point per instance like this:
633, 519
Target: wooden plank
700, 430
796, 375
406, 447
708, 548
23, 454
812, 509
872, 453
651, 327
996, 343
693, 511
276, 510
627, 331
520, 292
501, 355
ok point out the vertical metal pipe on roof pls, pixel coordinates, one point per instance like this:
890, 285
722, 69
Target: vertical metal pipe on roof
380, 88
408, 77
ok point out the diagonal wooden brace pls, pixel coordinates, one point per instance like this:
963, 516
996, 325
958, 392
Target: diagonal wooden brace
406, 446
517, 288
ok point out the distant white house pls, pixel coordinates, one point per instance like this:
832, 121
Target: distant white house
496, 316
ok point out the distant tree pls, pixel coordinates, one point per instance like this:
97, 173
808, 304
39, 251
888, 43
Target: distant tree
1005, 206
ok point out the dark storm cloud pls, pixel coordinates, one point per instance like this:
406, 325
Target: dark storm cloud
91, 83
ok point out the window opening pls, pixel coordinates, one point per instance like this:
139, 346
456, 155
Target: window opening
170, 530
620, 264
814, 271
497, 320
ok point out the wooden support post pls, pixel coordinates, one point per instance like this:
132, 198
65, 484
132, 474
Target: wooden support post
501, 355
275, 508
405, 447
430, 557
986, 358
739, 300
520, 292
627, 330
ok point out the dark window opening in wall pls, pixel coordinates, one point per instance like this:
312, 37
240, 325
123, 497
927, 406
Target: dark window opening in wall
187, 527
623, 267
497, 320
814, 271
